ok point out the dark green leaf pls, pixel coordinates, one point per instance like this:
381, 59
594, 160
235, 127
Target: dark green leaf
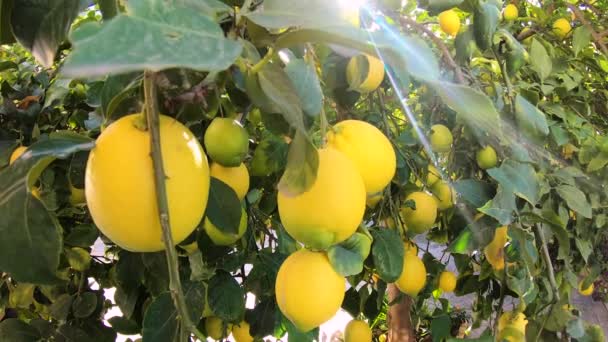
194, 293
517, 178
584, 247
160, 320
501, 207
72, 333
575, 199
580, 38
441, 328
301, 170
124, 326
304, 78
226, 297
485, 21
261, 318
84, 304
475, 192
465, 46
126, 301
109, 9
14, 330
224, 208
529, 118
60, 308
388, 253
7, 65
82, 236
347, 257
129, 270
6, 33
540, 60
437, 6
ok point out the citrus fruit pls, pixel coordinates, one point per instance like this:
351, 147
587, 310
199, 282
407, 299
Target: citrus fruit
494, 252
372, 200
308, 289
561, 27
241, 333
449, 22
120, 188
441, 138
226, 141
16, 154
510, 12
568, 150
216, 329
413, 275
585, 292
235, 177
369, 149
364, 73
444, 195
512, 326
221, 238
486, 158
423, 217
595, 333
331, 210
447, 281
432, 176
357, 331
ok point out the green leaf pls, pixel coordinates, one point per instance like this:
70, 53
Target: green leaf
78, 258
224, 208
434, 7
485, 21
387, 253
501, 207
6, 33
441, 328
123, 325
83, 235
41, 25
540, 60
304, 78
347, 257
575, 199
598, 162
129, 271
576, 327
14, 330
278, 14
465, 46
226, 297
60, 309
584, 247
84, 304
160, 37
160, 320
109, 9
517, 178
302, 164
116, 89
262, 318
559, 134
530, 118
475, 192
580, 38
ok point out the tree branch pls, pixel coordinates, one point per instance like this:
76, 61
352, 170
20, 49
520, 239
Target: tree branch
547, 258
597, 38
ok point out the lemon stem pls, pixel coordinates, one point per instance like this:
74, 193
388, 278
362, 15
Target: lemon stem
153, 123
259, 65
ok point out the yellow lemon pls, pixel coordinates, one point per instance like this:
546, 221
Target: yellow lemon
216, 329
441, 138
486, 158
226, 141
413, 276
512, 326
364, 73
235, 177
585, 292
331, 210
447, 281
308, 289
120, 189
449, 22
494, 252
432, 176
373, 200
357, 331
369, 149
568, 150
225, 239
510, 12
241, 333
561, 27
423, 217
444, 195
16, 154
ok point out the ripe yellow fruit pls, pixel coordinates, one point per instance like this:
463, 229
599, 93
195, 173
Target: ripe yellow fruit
561, 27
308, 289
449, 22
372, 200
216, 329
331, 210
369, 149
444, 195
447, 281
235, 177
494, 252
225, 239
16, 154
486, 158
568, 150
226, 142
423, 218
357, 331
512, 326
120, 188
510, 12
432, 176
413, 276
241, 333
585, 292
364, 73
441, 138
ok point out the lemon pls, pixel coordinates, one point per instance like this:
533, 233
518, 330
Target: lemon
561, 27
512, 326
510, 12
216, 329
241, 333
432, 176
441, 138
225, 239
364, 73
449, 22
373, 200
357, 331
77, 196
120, 188
486, 158
331, 210
568, 150
369, 149
226, 141
447, 281
444, 195
585, 292
308, 289
16, 154
413, 276
494, 252
423, 217
235, 177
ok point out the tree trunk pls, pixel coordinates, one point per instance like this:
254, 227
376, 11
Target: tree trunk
400, 327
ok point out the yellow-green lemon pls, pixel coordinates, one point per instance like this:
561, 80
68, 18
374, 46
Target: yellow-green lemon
413, 276
235, 177
432, 176
357, 331
561, 27
216, 329
444, 195
585, 292
423, 217
494, 252
512, 326
510, 12
449, 22
221, 238
486, 158
441, 138
364, 73
447, 281
226, 141
241, 333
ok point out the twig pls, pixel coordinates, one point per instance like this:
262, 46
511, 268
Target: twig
153, 120
548, 263
440, 44
526, 34
596, 37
